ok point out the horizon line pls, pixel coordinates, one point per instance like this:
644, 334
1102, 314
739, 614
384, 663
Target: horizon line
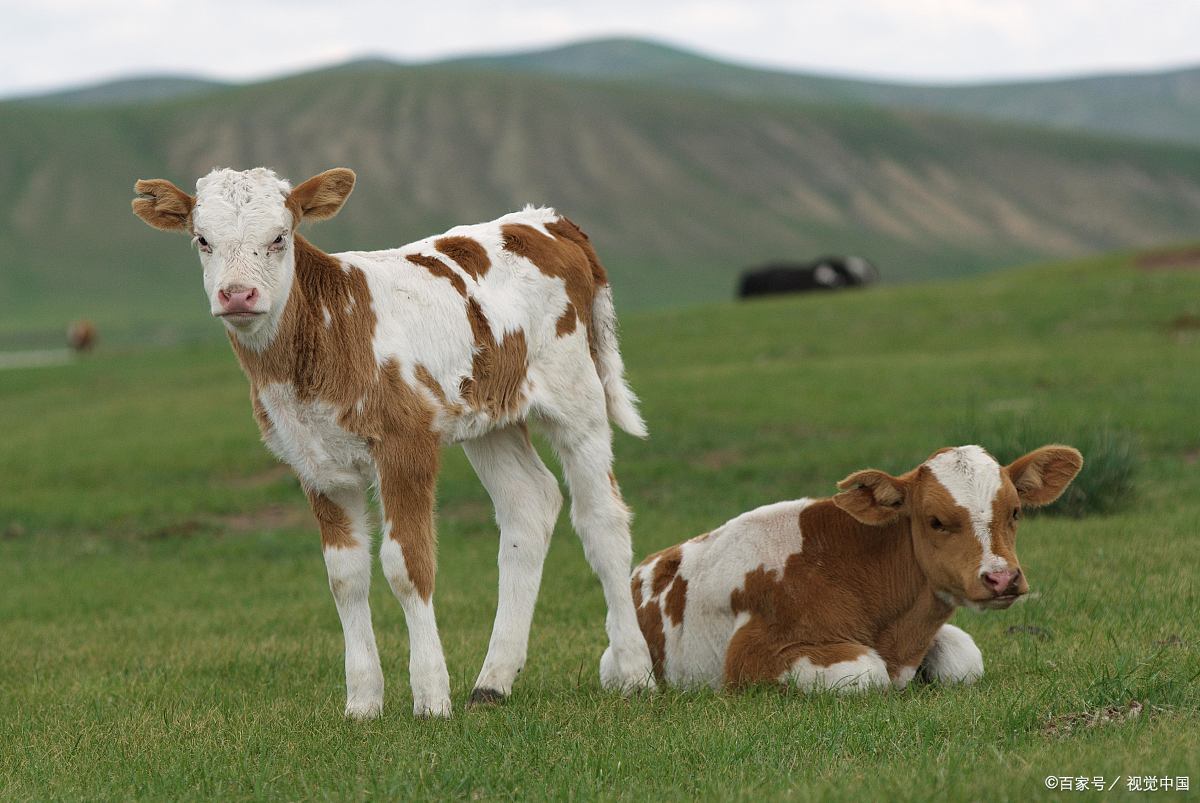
686, 49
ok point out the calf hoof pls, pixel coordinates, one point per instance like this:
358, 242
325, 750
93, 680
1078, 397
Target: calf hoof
633, 686
636, 676
361, 710
432, 709
481, 697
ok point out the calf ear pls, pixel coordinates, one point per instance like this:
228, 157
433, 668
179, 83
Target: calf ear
322, 196
1042, 475
873, 497
163, 205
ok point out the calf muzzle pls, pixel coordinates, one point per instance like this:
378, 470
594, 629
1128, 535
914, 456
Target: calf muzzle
1004, 583
238, 301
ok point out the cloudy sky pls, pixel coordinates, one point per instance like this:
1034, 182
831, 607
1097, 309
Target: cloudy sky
51, 43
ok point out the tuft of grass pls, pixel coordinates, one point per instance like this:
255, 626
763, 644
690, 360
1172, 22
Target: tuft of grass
1110, 459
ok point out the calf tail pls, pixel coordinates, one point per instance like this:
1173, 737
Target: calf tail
620, 399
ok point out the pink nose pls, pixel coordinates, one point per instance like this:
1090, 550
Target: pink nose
1001, 582
238, 299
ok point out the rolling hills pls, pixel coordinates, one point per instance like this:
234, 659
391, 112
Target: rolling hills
1156, 105
1162, 105
679, 188
140, 89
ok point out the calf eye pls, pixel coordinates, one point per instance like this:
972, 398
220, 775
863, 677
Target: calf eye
1016, 513
936, 524
204, 246
278, 240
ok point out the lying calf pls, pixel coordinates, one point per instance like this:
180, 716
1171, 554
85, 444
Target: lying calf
853, 591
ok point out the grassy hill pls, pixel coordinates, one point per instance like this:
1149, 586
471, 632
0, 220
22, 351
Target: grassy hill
169, 633
1163, 105
141, 89
1159, 105
679, 189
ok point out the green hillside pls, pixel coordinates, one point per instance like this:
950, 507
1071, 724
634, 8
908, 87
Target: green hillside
1160, 105
141, 89
169, 633
680, 190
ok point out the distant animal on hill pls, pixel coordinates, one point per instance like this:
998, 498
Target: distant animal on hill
826, 273
362, 365
81, 335
850, 592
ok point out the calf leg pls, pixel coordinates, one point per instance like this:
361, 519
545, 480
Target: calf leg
953, 658
757, 654
527, 501
342, 516
601, 519
844, 667
408, 555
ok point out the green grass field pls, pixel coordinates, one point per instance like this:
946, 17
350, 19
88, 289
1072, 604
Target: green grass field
166, 631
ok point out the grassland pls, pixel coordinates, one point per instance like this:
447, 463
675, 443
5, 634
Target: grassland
167, 632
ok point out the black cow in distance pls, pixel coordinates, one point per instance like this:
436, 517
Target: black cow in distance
826, 273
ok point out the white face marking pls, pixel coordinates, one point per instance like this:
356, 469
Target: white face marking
972, 476
239, 214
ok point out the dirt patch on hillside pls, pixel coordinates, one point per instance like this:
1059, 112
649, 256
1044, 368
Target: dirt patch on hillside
1172, 640
1040, 633
268, 519
468, 514
717, 459
262, 479
1066, 724
1184, 328
1187, 322
1175, 259
34, 359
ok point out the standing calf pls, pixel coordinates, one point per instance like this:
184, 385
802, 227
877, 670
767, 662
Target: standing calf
854, 591
363, 364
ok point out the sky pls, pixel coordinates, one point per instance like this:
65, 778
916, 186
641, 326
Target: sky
48, 44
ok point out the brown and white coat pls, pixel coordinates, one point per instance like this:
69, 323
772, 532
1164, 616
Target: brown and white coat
852, 591
362, 365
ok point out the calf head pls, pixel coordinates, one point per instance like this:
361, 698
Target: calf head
963, 508
243, 223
